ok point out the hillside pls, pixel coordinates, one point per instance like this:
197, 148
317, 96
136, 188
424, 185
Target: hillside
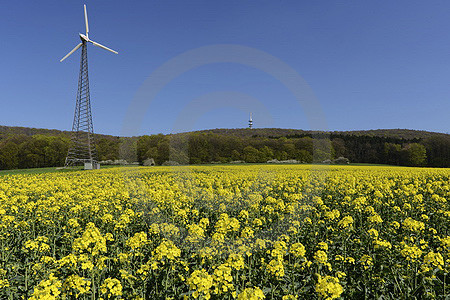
22, 147
16, 130
28, 131
406, 134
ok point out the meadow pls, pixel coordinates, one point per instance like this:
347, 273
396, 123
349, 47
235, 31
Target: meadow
226, 232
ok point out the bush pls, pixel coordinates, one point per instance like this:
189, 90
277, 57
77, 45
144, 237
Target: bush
170, 163
341, 161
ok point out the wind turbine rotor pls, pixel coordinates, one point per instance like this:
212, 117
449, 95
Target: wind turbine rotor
72, 51
85, 38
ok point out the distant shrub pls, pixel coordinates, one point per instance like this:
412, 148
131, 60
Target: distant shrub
341, 161
170, 163
114, 162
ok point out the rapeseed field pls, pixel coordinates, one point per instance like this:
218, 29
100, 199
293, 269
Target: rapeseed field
226, 232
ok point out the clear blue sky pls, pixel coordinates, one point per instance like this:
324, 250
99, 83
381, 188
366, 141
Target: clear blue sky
371, 64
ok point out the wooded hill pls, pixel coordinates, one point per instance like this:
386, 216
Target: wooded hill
407, 134
22, 147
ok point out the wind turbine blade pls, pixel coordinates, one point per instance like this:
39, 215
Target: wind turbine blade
104, 47
73, 50
86, 20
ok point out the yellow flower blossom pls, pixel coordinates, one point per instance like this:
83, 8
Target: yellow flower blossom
201, 283
49, 289
413, 225
251, 294
138, 240
329, 287
298, 250
345, 222
77, 285
111, 287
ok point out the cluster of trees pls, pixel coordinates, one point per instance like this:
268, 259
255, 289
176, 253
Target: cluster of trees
21, 151
47, 150
431, 151
38, 151
196, 148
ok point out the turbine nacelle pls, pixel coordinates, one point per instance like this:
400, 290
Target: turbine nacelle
85, 38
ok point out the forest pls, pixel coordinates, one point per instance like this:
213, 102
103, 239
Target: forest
33, 148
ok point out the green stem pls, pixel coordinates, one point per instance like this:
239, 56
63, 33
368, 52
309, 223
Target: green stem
26, 278
415, 279
444, 285
93, 286
396, 282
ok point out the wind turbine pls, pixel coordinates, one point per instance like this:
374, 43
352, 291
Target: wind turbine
82, 148
85, 38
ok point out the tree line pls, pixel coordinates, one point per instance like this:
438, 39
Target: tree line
196, 148
42, 150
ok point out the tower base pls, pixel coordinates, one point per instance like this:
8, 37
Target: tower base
91, 165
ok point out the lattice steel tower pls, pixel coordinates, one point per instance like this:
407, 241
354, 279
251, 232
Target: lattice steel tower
82, 149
